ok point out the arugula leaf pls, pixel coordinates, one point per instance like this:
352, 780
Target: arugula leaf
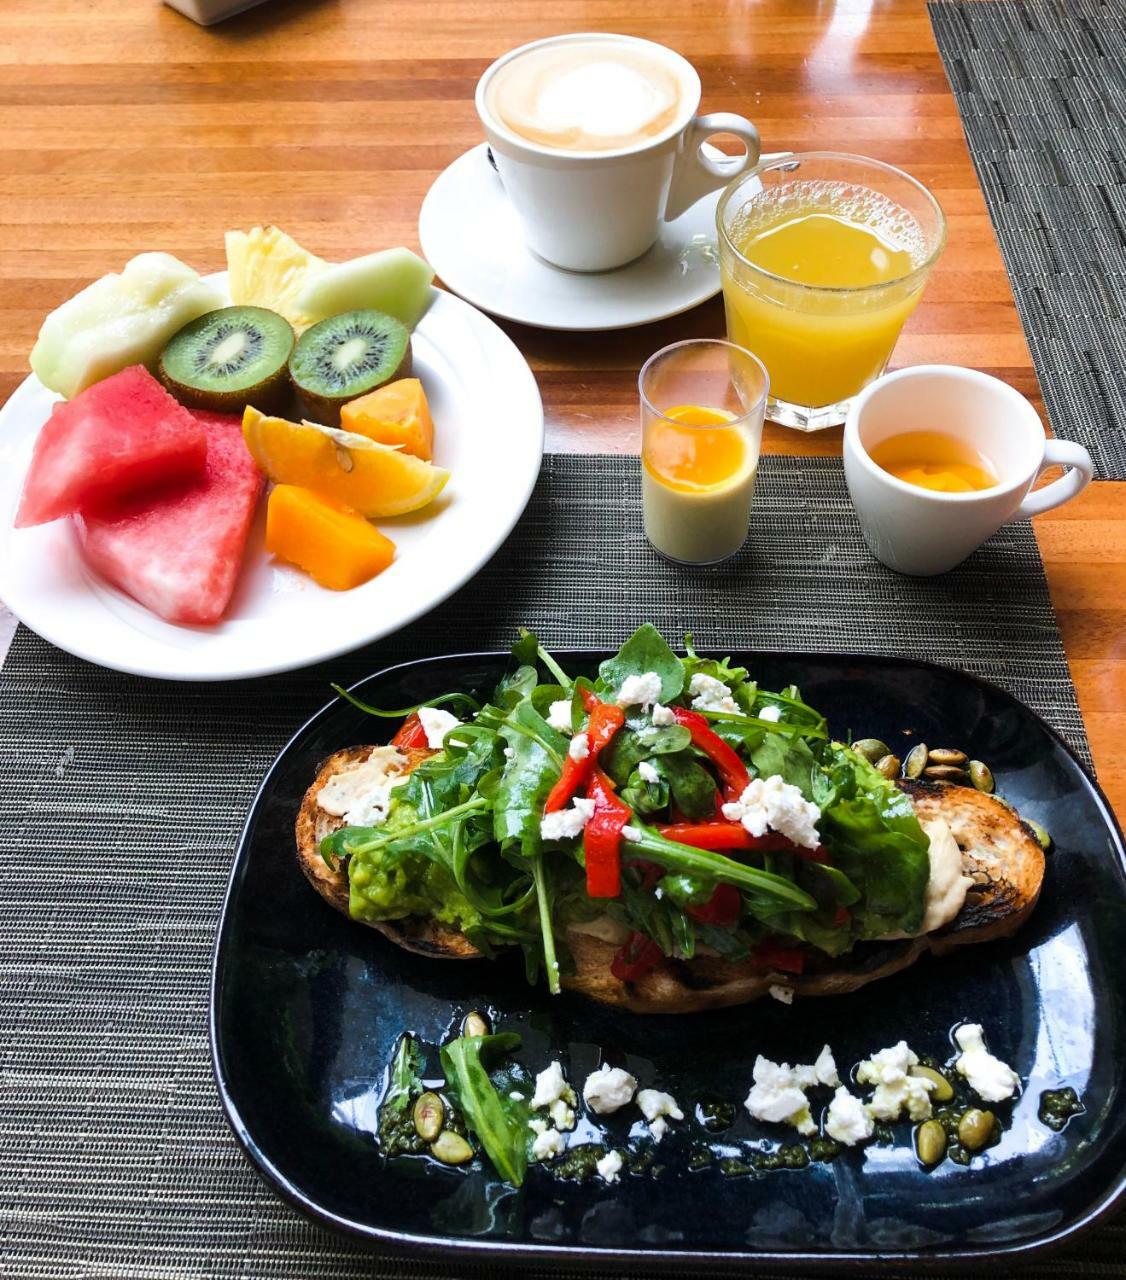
789, 757
631, 746
406, 1074
876, 840
692, 787
528, 650
500, 1123
646, 650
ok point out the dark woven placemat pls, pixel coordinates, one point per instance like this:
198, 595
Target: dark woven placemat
1041, 86
121, 800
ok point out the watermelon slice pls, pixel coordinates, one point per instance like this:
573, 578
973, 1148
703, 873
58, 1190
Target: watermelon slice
117, 437
178, 550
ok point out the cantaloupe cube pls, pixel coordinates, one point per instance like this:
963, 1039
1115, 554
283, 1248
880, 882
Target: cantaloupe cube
335, 546
394, 414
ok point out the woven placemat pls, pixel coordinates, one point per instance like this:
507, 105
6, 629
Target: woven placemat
1041, 85
122, 801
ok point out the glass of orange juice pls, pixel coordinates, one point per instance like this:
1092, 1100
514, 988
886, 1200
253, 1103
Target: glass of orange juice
702, 405
823, 257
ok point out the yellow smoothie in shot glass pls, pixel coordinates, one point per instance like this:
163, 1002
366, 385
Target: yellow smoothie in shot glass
698, 478
702, 404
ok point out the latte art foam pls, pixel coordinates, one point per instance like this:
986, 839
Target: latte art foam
586, 95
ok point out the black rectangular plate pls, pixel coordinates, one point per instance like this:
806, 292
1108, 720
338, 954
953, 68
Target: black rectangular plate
307, 1006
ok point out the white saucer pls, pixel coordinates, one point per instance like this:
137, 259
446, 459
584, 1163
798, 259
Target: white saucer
471, 236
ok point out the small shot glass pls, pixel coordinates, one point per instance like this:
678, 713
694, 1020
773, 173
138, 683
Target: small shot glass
702, 405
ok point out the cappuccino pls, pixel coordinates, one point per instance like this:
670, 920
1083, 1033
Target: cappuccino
588, 95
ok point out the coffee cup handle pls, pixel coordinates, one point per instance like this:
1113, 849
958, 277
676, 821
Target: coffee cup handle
695, 173
1059, 453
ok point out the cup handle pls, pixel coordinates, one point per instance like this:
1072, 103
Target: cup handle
695, 174
1059, 453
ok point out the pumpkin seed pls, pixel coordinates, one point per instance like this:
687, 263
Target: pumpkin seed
429, 1115
916, 761
872, 749
944, 773
981, 776
975, 1128
1044, 839
943, 1090
451, 1148
946, 755
930, 1142
888, 765
475, 1024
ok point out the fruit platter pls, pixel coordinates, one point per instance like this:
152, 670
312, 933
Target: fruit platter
213, 477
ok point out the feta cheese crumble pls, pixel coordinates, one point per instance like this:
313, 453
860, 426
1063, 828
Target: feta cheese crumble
559, 715
648, 772
436, 723
776, 1096
771, 713
547, 1143
987, 1076
784, 995
823, 1071
896, 1090
848, 1120
772, 803
663, 716
632, 834
556, 1095
655, 1106
608, 1089
361, 793
566, 824
640, 691
709, 694
610, 1166
580, 747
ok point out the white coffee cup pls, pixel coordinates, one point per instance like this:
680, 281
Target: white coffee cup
596, 210
923, 532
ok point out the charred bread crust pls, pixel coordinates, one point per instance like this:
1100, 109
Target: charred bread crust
414, 933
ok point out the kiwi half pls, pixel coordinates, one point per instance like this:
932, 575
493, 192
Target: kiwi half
347, 356
230, 358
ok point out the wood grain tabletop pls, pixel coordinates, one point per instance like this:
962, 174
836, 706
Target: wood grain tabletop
126, 127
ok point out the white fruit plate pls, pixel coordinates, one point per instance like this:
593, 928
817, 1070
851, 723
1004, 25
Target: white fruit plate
488, 431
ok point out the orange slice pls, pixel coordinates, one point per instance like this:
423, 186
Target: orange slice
396, 413
371, 478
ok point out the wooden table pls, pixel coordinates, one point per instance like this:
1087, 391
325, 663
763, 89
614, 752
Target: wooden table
125, 127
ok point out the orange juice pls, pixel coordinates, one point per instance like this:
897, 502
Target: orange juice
698, 474
829, 279
932, 460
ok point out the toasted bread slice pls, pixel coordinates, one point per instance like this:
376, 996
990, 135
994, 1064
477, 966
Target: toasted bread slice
999, 852
415, 933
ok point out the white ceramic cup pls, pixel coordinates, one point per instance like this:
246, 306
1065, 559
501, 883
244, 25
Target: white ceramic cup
922, 532
596, 210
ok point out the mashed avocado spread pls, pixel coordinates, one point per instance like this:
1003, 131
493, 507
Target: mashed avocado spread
387, 886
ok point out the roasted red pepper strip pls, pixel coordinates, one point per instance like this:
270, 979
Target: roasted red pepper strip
410, 733
602, 838
722, 908
605, 721
732, 771
717, 836
636, 958
773, 955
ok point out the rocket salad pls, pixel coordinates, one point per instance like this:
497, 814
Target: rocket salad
673, 797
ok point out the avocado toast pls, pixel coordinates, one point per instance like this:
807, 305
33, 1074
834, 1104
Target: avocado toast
668, 838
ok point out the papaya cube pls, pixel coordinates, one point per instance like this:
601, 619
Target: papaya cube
397, 413
335, 546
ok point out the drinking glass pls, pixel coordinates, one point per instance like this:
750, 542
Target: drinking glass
702, 405
823, 344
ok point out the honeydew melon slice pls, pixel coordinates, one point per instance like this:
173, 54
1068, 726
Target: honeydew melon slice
394, 281
120, 320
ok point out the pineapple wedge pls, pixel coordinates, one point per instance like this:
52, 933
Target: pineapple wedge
267, 268
119, 320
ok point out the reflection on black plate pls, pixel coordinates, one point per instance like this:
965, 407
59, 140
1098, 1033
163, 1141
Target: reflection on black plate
306, 1009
